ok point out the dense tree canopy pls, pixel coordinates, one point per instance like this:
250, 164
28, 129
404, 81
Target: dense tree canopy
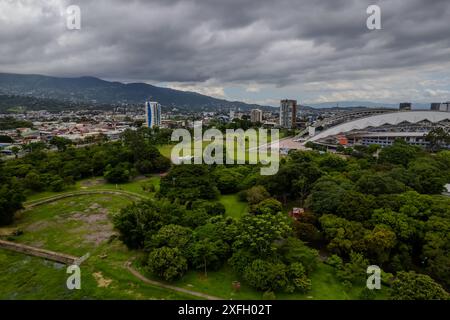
189, 183
41, 170
413, 286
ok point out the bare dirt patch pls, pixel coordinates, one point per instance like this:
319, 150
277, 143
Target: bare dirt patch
96, 228
93, 182
89, 218
101, 281
37, 226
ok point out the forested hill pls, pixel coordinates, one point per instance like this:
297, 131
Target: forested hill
94, 90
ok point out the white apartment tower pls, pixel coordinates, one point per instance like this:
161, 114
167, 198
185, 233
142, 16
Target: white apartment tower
256, 115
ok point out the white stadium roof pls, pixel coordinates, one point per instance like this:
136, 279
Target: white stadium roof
382, 119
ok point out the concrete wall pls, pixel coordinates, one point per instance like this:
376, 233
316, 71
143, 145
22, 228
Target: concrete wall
37, 252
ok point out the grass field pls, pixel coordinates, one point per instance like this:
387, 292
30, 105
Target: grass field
233, 207
239, 154
82, 224
75, 226
325, 286
98, 183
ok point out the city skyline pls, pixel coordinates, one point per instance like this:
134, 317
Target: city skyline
325, 57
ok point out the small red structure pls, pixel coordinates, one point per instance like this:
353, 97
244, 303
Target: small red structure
343, 141
236, 285
296, 213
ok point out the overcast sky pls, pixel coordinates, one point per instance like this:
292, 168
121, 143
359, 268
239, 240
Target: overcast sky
250, 50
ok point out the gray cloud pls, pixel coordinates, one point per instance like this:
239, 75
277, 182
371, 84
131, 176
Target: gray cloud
232, 42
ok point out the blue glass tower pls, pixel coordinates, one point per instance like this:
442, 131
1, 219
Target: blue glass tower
153, 114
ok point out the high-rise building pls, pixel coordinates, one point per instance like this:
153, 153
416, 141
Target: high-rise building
153, 114
256, 115
435, 106
445, 106
231, 114
405, 106
288, 113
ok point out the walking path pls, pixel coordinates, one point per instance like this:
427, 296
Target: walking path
168, 286
66, 258
131, 195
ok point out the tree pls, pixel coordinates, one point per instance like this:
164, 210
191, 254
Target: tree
378, 183
414, 286
227, 180
172, 236
326, 195
196, 217
437, 137
354, 271
293, 250
302, 189
212, 208
138, 222
218, 228
11, 198
354, 205
266, 276
268, 206
258, 233
6, 139
205, 253
34, 146
427, 178
256, 194
400, 152
118, 174
437, 247
379, 243
60, 143
405, 228
331, 162
57, 184
188, 183
16, 151
167, 263
306, 231
345, 236
296, 178
240, 259
33, 181
298, 278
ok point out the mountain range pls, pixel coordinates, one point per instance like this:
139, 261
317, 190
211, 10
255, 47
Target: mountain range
94, 91
97, 91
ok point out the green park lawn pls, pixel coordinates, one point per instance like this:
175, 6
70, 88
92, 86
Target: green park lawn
233, 207
98, 183
166, 150
82, 224
75, 226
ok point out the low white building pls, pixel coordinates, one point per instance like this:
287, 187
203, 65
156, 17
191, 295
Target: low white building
447, 189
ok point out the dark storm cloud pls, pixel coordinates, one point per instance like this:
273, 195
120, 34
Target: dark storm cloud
230, 41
